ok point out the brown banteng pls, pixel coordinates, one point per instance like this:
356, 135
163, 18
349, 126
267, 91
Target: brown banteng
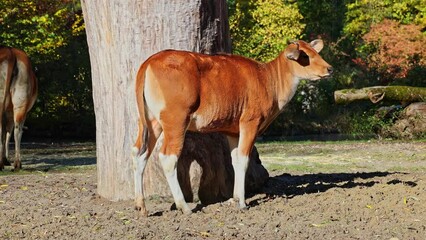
18, 92
180, 91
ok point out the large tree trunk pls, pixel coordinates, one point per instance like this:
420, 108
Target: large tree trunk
404, 94
122, 34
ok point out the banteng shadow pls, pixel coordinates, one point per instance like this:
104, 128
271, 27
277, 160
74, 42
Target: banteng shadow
289, 186
48, 156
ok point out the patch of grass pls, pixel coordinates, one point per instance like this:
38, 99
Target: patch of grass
407, 169
344, 156
7, 172
304, 167
82, 168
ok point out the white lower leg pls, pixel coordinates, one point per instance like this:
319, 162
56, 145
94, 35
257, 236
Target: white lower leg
18, 136
139, 163
8, 135
169, 164
240, 164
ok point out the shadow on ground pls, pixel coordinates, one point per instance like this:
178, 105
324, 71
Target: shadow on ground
293, 185
289, 186
46, 157
47, 164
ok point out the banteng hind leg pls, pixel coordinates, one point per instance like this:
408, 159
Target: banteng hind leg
174, 127
18, 131
9, 131
5, 132
145, 143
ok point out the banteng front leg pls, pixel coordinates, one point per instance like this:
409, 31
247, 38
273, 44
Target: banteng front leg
240, 150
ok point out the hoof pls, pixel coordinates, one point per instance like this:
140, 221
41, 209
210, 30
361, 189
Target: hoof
239, 204
142, 211
244, 208
140, 207
186, 211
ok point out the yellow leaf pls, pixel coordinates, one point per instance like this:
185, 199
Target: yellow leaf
405, 200
25, 188
1, 202
368, 206
4, 186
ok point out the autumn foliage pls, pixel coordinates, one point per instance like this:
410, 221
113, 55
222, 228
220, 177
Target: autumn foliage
398, 48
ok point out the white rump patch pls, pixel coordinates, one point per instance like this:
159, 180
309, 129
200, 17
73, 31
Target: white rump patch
154, 97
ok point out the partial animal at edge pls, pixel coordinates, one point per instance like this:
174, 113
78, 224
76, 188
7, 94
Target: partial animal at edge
18, 93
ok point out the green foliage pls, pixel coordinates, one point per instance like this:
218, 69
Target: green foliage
323, 17
261, 29
366, 121
52, 34
64, 107
362, 14
39, 27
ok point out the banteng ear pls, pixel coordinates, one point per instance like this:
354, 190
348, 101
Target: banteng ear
317, 44
292, 51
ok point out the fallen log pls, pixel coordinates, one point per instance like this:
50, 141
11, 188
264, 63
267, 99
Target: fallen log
403, 94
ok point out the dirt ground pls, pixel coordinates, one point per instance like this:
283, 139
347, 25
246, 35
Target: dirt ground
349, 190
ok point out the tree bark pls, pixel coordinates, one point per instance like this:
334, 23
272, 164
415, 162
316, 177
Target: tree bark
403, 94
121, 34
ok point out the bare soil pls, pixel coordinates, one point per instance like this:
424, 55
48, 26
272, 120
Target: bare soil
350, 190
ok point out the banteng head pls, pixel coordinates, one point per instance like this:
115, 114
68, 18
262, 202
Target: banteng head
305, 61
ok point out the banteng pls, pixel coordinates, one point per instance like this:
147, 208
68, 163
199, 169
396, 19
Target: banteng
180, 91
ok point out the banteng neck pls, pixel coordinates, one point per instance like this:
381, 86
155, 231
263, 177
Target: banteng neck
283, 80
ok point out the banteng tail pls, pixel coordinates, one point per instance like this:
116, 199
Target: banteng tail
141, 143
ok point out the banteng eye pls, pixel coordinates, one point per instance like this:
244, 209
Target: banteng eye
303, 55
303, 59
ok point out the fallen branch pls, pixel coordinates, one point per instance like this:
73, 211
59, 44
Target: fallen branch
375, 94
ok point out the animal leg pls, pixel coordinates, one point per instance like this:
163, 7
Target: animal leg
9, 131
3, 147
18, 136
141, 154
240, 160
174, 136
8, 135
